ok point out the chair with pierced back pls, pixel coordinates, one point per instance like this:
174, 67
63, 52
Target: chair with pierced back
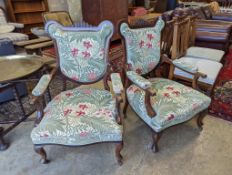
160, 103
83, 115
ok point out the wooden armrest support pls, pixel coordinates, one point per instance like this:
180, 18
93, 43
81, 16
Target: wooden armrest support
148, 94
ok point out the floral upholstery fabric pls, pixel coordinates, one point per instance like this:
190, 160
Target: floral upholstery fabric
42, 85
174, 103
142, 46
78, 117
117, 83
82, 51
185, 65
138, 80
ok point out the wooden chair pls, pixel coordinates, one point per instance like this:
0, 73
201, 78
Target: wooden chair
200, 71
160, 103
80, 116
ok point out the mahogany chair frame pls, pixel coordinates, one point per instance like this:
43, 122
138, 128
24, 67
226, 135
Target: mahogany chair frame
40, 103
149, 93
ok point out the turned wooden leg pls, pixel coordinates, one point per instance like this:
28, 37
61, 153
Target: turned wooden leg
125, 108
200, 119
40, 150
156, 137
3, 145
118, 155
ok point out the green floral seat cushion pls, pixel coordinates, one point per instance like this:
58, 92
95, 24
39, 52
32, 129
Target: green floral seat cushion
174, 103
79, 117
142, 46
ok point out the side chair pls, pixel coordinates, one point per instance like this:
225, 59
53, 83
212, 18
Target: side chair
83, 115
159, 102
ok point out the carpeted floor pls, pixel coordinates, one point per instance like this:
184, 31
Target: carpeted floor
184, 150
221, 105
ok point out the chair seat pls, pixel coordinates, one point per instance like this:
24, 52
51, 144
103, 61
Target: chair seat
210, 68
79, 117
174, 103
14, 37
205, 53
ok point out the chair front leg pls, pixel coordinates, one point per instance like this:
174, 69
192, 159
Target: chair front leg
119, 147
40, 150
156, 137
200, 119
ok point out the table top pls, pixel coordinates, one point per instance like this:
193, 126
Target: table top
14, 67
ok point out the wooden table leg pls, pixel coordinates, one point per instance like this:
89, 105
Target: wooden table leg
19, 102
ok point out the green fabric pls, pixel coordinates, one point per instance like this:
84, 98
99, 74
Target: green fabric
42, 85
138, 80
82, 53
174, 103
117, 83
79, 117
142, 47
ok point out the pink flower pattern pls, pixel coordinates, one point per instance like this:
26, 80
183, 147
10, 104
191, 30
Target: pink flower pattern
74, 52
92, 76
149, 45
171, 116
87, 44
150, 36
83, 134
67, 111
141, 44
86, 54
87, 91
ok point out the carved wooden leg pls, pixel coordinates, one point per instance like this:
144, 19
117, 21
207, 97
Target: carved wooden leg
40, 150
3, 145
156, 137
200, 119
118, 155
125, 108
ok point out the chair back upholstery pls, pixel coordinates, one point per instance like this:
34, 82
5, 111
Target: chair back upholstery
180, 38
61, 17
142, 46
82, 52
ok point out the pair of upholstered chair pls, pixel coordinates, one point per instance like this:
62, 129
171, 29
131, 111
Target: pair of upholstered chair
83, 116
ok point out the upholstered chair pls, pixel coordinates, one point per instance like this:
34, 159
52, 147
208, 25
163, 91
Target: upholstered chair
159, 102
83, 115
7, 29
203, 64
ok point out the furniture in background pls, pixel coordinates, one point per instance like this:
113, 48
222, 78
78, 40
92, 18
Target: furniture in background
80, 116
7, 48
24, 66
96, 11
159, 102
196, 65
9, 29
27, 12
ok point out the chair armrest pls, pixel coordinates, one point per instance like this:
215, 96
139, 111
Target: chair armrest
42, 85
116, 83
17, 25
185, 66
138, 80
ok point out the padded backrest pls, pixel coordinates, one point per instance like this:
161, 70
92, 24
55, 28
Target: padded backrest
61, 17
142, 46
83, 51
3, 20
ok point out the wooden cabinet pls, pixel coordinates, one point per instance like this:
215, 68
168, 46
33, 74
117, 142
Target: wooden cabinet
95, 11
28, 12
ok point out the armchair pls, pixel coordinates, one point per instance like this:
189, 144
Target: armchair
80, 116
7, 28
182, 55
159, 102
